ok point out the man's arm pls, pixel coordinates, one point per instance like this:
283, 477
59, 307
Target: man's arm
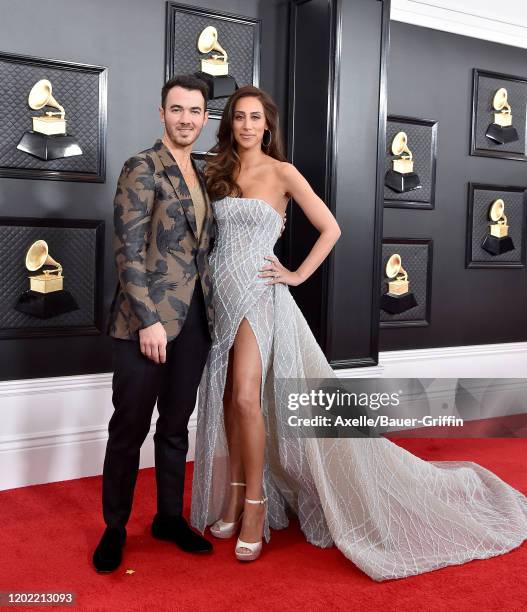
133, 204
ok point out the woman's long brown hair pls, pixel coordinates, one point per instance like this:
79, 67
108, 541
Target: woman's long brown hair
221, 170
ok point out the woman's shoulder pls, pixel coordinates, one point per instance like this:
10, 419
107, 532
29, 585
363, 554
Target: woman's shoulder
282, 171
283, 168
287, 173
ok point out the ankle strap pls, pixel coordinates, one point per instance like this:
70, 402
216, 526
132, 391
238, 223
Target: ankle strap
256, 501
237, 484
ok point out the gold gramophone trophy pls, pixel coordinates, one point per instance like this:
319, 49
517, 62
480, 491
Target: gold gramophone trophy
497, 241
46, 296
215, 68
49, 139
501, 130
401, 176
399, 297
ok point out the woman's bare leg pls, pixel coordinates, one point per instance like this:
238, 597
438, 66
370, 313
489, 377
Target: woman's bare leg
246, 382
232, 430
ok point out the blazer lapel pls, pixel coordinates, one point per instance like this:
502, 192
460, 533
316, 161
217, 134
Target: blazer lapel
209, 218
178, 183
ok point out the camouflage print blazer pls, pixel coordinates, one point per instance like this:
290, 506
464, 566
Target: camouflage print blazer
158, 255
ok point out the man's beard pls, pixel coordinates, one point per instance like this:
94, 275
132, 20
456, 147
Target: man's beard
178, 139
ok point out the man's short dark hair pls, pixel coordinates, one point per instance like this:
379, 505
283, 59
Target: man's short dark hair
187, 81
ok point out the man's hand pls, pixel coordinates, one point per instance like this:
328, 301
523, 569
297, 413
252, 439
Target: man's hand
153, 342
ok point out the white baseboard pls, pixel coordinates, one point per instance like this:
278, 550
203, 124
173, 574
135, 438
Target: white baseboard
506, 360
500, 22
56, 428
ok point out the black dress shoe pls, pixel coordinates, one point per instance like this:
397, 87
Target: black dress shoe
176, 529
109, 552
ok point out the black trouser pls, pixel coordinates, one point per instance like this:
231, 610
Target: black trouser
137, 383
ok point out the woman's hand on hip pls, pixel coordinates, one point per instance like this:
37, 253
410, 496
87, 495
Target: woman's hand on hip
277, 273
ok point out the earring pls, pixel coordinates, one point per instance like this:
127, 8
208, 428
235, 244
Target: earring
266, 140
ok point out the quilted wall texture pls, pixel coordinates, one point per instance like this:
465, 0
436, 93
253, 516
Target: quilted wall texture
515, 213
76, 90
420, 144
73, 248
517, 98
415, 260
236, 38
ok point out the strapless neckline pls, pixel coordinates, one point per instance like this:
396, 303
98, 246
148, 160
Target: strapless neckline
256, 200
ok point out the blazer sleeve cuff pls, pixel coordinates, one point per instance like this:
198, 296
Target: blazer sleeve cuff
145, 311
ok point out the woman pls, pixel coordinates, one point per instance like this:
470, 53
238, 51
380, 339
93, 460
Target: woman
388, 511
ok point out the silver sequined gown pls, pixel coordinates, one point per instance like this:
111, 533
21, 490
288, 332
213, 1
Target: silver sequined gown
388, 511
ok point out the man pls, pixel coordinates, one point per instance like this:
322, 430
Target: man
161, 320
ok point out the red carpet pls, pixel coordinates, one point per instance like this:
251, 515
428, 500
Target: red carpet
49, 532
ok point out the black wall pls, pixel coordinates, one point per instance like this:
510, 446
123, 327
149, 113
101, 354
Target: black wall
337, 107
430, 77
353, 313
127, 36
311, 102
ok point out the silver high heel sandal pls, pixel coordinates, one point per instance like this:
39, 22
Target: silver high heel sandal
223, 530
254, 548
